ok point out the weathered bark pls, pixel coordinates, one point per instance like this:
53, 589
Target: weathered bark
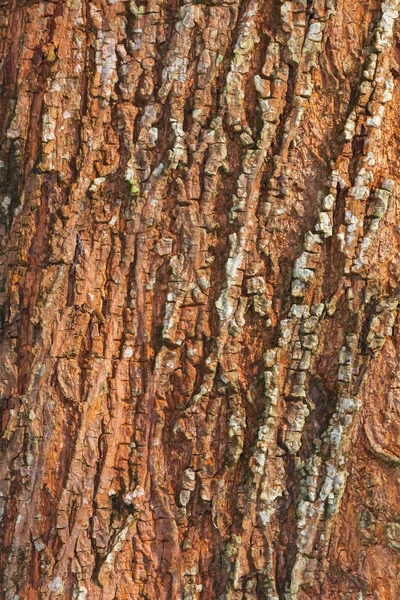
199, 267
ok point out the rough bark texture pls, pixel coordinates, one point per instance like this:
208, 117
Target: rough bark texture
200, 388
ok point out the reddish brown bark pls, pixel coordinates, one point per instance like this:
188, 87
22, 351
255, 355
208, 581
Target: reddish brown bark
199, 300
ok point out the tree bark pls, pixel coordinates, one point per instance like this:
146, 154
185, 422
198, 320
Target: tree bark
200, 382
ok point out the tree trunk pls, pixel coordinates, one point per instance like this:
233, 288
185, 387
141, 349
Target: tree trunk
200, 383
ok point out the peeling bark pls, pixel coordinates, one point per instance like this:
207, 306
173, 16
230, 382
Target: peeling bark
199, 287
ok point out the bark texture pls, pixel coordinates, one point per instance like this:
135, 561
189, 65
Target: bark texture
200, 385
